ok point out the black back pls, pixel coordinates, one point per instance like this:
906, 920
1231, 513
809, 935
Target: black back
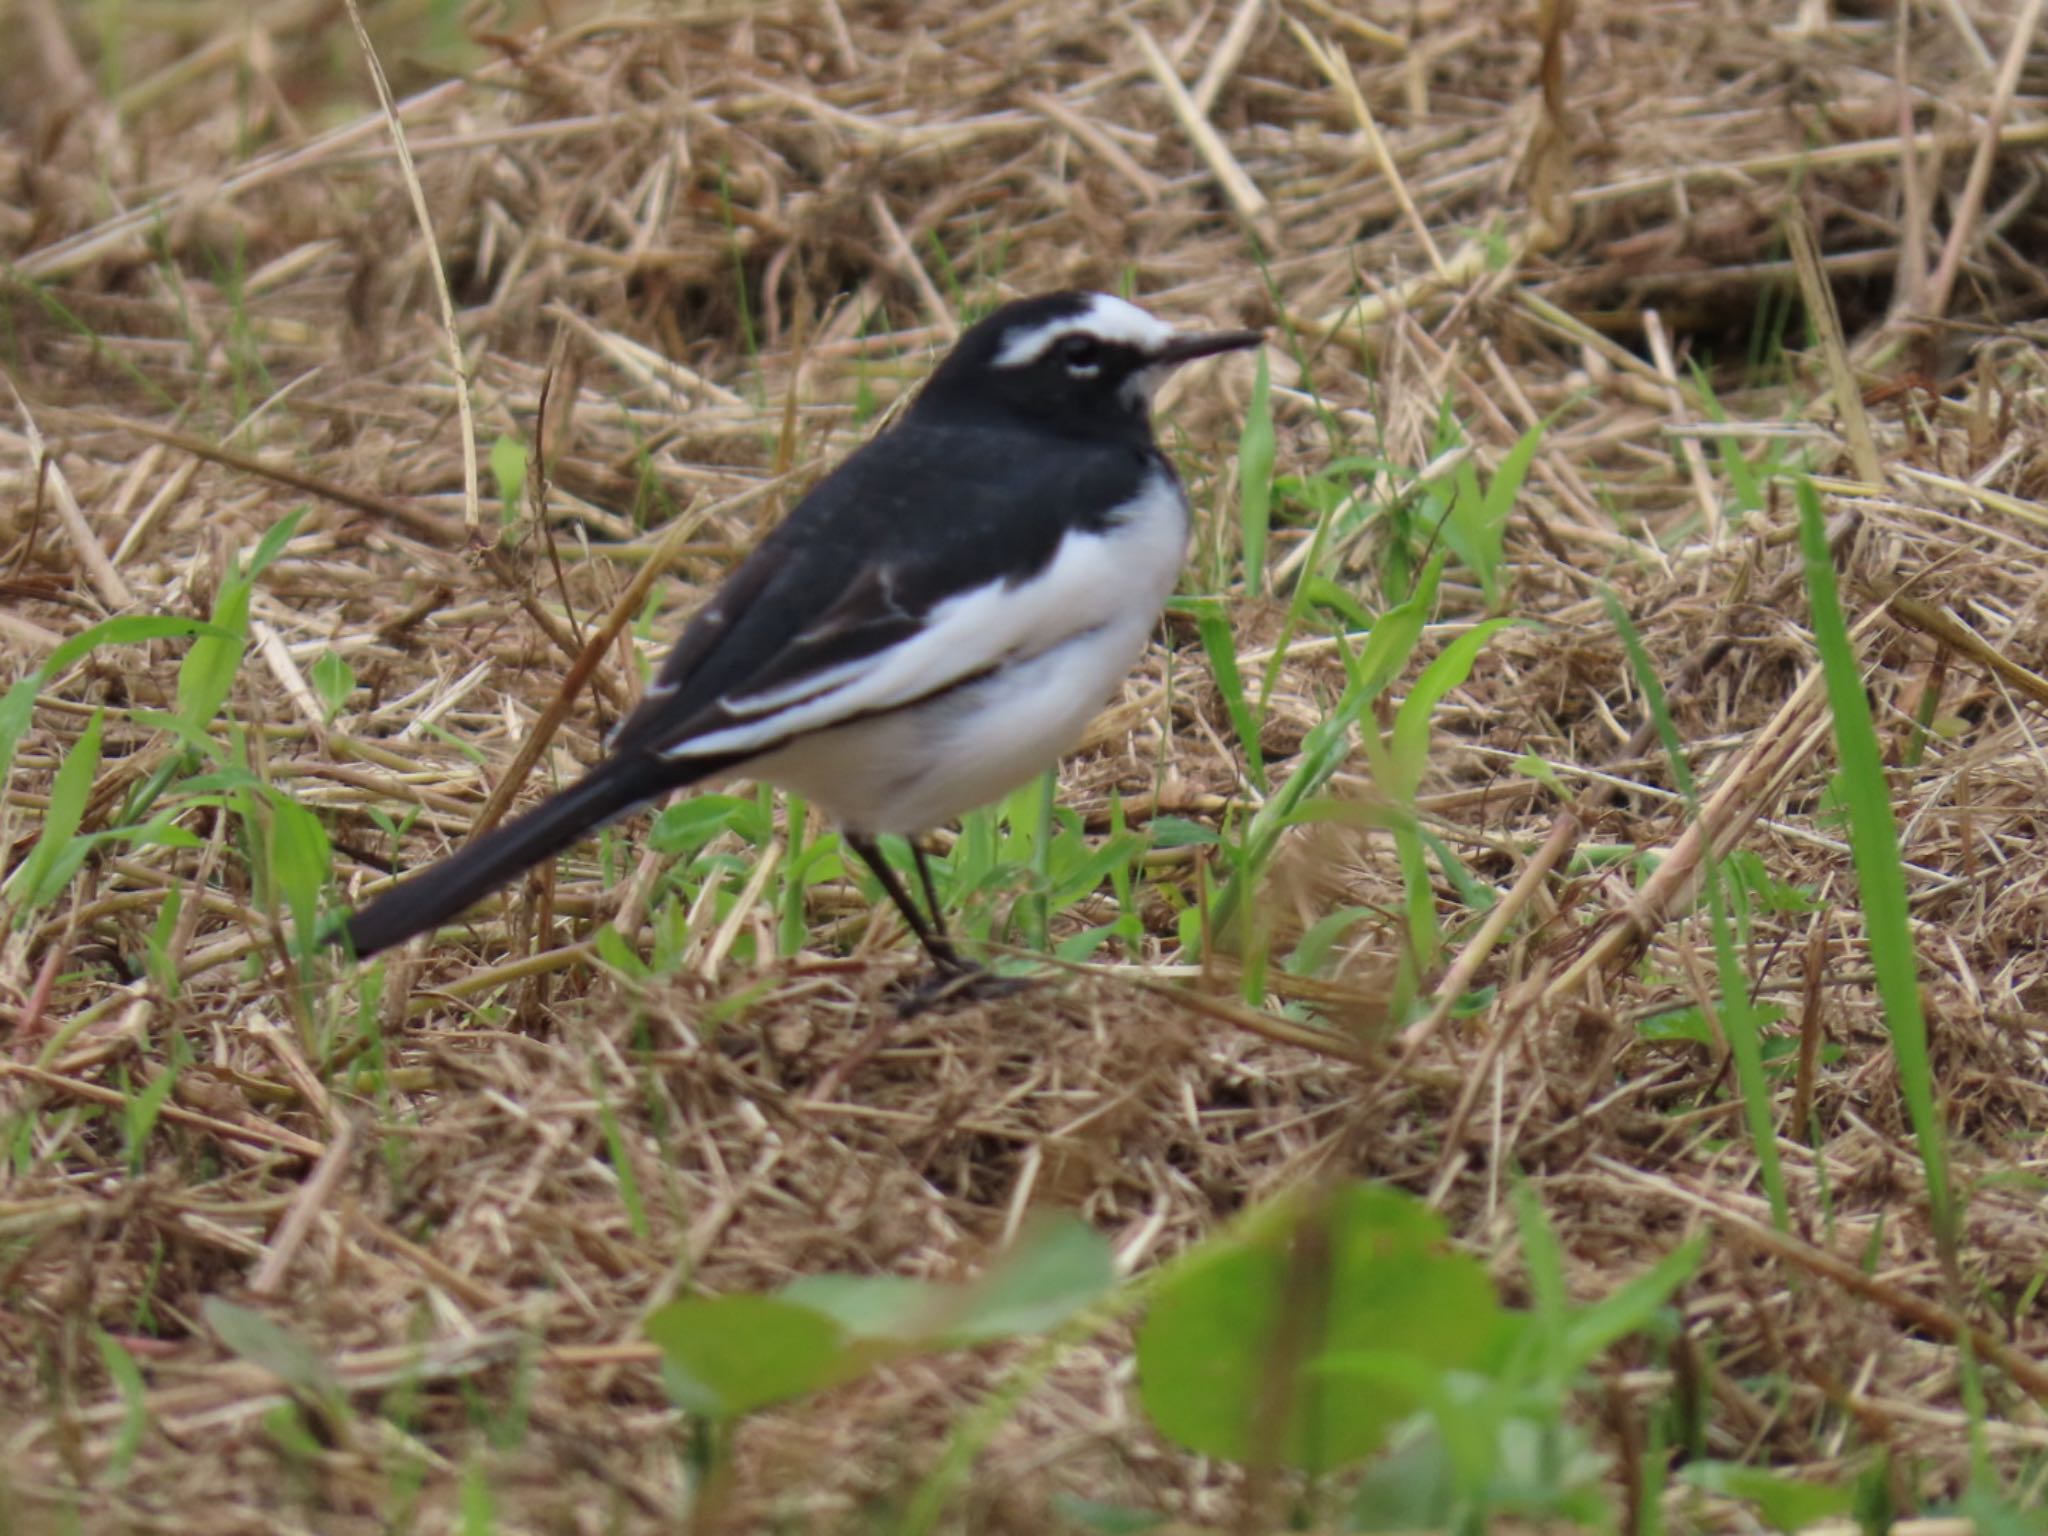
979, 482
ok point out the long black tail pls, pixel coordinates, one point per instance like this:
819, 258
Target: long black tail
468, 875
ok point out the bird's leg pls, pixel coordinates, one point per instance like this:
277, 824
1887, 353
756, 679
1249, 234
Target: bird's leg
932, 934
931, 892
956, 978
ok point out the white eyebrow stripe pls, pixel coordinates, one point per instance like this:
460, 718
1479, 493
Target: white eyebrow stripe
1107, 318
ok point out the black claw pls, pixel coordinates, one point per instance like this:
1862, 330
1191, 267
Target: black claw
961, 982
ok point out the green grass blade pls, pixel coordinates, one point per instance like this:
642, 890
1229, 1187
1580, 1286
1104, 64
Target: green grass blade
208, 671
1738, 1017
1255, 451
1213, 625
1880, 874
68, 794
17, 706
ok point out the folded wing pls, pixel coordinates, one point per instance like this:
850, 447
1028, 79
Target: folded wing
912, 569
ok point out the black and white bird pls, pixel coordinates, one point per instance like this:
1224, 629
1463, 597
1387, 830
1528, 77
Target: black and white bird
933, 625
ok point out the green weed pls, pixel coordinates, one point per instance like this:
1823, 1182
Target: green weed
1739, 1016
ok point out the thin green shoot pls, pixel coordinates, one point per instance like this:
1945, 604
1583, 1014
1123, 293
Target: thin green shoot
750, 341
508, 469
1038, 900
1311, 588
127, 1378
479, 1507
1212, 623
1368, 671
1255, 451
1398, 764
140, 1112
1880, 874
102, 354
792, 915
619, 1155
1739, 1018
42, 875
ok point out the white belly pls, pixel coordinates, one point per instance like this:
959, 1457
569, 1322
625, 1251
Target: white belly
1087, 617
922, 767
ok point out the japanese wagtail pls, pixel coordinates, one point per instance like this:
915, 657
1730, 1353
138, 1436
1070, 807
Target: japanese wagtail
934, 624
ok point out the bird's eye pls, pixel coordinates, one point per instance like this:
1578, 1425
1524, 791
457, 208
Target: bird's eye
1081, 354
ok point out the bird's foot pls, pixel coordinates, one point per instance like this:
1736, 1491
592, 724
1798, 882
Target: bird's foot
959, 981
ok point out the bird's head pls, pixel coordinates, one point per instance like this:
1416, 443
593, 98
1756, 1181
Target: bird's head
1087, 363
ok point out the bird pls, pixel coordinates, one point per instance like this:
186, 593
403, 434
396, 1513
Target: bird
933, 624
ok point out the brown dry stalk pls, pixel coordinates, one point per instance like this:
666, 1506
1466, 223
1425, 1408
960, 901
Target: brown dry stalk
1239, 190
307, 1204
624, 607
2032, 1378
419, 520
2026, 32
1940, 625
99, 570
458, 365
1336, 68
1742, 797
256, 1133
1827, 321
1564, 836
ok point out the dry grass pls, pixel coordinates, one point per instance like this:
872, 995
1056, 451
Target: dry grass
689, 247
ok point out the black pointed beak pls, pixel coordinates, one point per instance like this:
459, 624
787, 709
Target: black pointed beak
1185, 349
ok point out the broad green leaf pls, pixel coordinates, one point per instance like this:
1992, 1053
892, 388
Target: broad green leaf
1448, 669
1785, 1503
1409, 1489
1395, 634
1312, 950
1213, 1364
334, 680
738, 1353
255, 1338
300, 859
615, 952
689, 824
1678, 1024
869, 1306
1179, 832
1506, 485
207, 674
1058, 1266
